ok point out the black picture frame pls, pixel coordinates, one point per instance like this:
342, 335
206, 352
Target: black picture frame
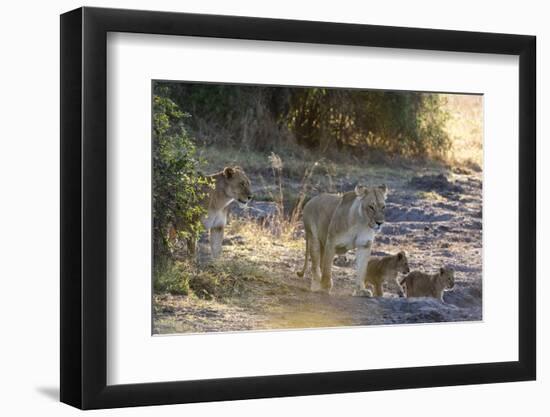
84, 207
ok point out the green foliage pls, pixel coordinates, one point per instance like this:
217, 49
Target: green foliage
172, 278
431, 122
262, 118
213, 281
232, 114
395, 122
178, 187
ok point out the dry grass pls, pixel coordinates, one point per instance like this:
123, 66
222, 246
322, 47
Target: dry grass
465, 128
298, 161
431, 195
263, 238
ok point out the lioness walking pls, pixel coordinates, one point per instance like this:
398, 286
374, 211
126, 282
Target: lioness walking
335, 224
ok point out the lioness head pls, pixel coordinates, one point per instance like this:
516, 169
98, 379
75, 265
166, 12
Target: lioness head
448, 277
237, 184
402, 263
373, 203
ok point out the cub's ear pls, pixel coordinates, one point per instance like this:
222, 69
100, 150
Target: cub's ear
441, 270
228, 172
400, 256
360, 190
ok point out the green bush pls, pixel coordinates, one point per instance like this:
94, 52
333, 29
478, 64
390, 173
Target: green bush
178, 186
171, 278
405, 123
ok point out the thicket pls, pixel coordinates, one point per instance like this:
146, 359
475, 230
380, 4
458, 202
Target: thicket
264, 118
178, 185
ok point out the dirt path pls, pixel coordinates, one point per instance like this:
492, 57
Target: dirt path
435, 218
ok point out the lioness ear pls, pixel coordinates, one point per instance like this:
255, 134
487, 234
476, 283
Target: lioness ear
383, 188
360, 190
441, 270
228, 172
400, 256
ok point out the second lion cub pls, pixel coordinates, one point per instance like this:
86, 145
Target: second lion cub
419, 284
380, 270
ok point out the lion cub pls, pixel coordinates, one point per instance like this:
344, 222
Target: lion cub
419, 284
380, 270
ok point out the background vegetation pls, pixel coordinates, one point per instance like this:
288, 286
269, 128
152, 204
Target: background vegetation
265, 118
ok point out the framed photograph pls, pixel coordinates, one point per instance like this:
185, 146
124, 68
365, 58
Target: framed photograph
258, 208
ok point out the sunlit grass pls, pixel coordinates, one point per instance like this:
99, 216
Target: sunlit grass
431, 195
465, 128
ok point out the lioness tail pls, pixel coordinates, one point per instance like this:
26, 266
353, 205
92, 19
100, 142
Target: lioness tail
303, 271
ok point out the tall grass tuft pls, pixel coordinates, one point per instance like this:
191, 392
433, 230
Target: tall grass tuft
304, 186
277, 167
280, 223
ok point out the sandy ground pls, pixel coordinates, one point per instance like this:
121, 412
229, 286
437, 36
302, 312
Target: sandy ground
436, 218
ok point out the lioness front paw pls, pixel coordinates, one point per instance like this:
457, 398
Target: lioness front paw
362, 292
315, 285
